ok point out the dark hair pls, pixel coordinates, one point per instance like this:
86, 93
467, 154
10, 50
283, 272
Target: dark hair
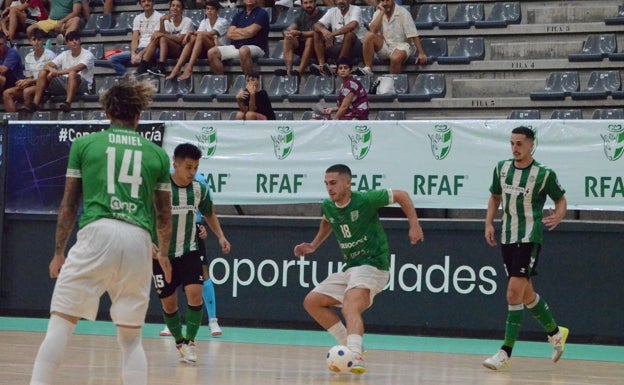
213, 3
252, 74
341, 169
186, 151
73, 35
526, 131
344, 60
38, 34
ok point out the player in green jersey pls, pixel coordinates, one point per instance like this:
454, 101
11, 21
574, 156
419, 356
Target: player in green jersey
188, 195
122, 179
352, 217
522, 185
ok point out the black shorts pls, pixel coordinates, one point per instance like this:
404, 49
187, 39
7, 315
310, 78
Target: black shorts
186, 270
520, 259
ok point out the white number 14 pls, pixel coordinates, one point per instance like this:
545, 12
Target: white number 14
126, 175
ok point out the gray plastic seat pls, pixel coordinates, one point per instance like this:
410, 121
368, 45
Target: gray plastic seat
97, 49
71, 115
525, 115
172, 115
123, 25
98, 115
173, 89
608, 113
40, 115
286, 18
96, 22
466, 50
314, 88
558, 86
600, 85
400, 84
237, 86
207, 115
429, 15
434, 47
567, 114
425, 87
275, 57
466, 14
196, 16
146, 115
10, 116
284, 115
281, 87
617, 19
501, 15
595, 48
209, 87
390, 115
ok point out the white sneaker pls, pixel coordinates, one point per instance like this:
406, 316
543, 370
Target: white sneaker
498, 361
165, 332
187, 351
215, 330
558, 342
363, 71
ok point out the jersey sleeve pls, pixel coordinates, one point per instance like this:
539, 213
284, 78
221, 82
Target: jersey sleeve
379, 198
74, 164
495, 187
205, 204
554, 189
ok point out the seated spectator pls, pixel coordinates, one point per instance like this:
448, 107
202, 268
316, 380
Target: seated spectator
352, 101
174, 26
210, 33
337, 34
392, 33
143, 26
69, 74
10, 65
33, 63
64, 17
298, 39
254, 103
20, 14
249, 39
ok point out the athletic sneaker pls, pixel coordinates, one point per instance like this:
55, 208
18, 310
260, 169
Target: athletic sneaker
158, 70
215, 330
363, 71
498, 361
143, 67
165, 332
558, 342
358, 365
187, 352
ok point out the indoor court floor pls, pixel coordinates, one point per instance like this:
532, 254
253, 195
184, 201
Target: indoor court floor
248, 356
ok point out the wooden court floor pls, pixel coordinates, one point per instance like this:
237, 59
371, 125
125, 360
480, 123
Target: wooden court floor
93, 359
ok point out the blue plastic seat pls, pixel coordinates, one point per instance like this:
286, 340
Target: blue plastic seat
608, 113
466, 50
97, 49
567, 114
196, 16
286, 18
501, 15
558, 86
525, 115
96, 22
122, 26
466, 14
425, 87
600, 85
400, 85
434, 47
617, 19
209, 87
595, 48
429, 15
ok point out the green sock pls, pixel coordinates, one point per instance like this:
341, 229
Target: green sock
542, 314
194, 316
174, 324
514, 322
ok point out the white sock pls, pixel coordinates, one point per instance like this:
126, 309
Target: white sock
133, 359
339, 332
354, 343
52, 350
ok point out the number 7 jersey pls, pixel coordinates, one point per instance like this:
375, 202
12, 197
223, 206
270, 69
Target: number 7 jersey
120, 170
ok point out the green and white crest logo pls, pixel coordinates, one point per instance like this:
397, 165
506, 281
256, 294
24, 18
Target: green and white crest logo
283, 142
207, 141
441, 140
613, 141
360, 142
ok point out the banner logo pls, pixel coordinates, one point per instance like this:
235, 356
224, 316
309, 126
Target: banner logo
207, 141
283, 142
441, 140
360, 142
613, 142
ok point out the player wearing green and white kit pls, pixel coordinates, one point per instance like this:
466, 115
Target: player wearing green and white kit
187, 197
354, 221
122, 178
522, 185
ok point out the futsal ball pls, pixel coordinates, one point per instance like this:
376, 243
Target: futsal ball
339, 359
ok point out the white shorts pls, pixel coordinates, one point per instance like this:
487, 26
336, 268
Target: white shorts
109, 256
229, 52
385, 52
360, 277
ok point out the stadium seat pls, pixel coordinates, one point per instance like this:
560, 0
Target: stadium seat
9, 116
466, 14
233, 115
209, 87
196, 16
608, 113
284, 115
567, 114
314, 88
617, 19
307, 115
595, 48
558, 86
501, 15
525, 115
275, 57
96, 22
97, 49
281, 87
207, 115
600, 85
24, 50
390, 115
367, 14
146, 115
71, 115
228, 13
237, 86
466, 50
172, 115
400, 85
122, 26
425, 87
41, 115
101, 85
429, 15
174, 89
98, 115
286, 18
434, 47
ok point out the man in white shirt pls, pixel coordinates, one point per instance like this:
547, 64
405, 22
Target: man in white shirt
143, 27
339, 33
70, 73
392, 35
